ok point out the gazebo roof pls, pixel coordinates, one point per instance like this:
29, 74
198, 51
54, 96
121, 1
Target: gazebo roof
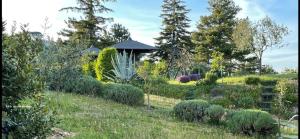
133, 45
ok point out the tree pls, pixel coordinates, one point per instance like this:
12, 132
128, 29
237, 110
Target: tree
217, 62
214, 32
86, 29
259, 37
103, 66
119, 33
174, 40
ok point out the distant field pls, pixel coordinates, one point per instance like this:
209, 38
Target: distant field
92, 117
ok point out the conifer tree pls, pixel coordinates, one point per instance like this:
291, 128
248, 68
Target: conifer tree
174, 40
87, 28
215, 31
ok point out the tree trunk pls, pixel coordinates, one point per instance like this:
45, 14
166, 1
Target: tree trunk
260, 65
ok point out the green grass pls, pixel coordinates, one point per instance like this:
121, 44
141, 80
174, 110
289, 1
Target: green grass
179, 83
95, 118
241, 79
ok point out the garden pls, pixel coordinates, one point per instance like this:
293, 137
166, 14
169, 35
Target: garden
184, 89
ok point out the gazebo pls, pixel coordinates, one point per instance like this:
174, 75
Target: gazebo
129, 45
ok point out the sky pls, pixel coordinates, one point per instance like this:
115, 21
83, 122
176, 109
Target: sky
142, 19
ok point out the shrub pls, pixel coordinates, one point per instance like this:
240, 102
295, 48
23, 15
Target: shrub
89, 68
183, 79
191, 110
158, 80
268, 82
194, 77
215, 113
245, 102
169, 90
252, 80
84, 85
160, 68
221, 101
200, 69
190, 95
124, 93
211, 78
252, 121
103, 64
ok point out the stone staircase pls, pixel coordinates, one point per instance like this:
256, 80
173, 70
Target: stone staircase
267, 96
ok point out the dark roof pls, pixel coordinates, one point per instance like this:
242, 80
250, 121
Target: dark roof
133, 45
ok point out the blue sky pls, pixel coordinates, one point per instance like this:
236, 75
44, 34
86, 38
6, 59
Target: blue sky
142, 19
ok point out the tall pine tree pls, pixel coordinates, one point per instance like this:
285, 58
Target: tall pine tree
86, 29
215, 31
174, 41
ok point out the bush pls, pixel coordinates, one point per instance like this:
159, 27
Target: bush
194, 77
168, 90
221, 101
183, 79
89, 68
191, 110
160, 68
210, 78
252, 80
158, 80
190, 95
252, 121
268, 82
103, 64
215, 113
84, 85
124, 93
246, 102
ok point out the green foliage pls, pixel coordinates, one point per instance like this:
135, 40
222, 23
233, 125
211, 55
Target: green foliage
104, 65
88, 68
214, 31
201, 69
215, 113
168, 90
160, 68
286, 99
252, 121
144, 70
267, 69
123, 93
191, 110
252, 80
34, 121
119, 33
123, 68
210, 78
21, 80
246, 102
190, 95
87, 28
217, 62
221, 101
83, 85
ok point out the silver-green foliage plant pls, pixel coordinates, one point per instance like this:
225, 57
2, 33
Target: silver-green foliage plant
123, 67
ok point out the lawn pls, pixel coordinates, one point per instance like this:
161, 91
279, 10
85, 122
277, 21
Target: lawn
92, 117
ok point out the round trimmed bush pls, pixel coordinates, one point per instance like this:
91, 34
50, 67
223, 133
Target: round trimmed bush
124, 93
82, 85
252, 80
184, 79
221, 101
215, 113
252, 121
191, 110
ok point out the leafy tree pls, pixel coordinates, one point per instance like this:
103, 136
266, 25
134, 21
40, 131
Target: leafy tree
119, 33
214, 32
217, 62
259, 37
174, 40
86, 29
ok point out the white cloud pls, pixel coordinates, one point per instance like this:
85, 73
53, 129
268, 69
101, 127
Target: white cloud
251, 9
